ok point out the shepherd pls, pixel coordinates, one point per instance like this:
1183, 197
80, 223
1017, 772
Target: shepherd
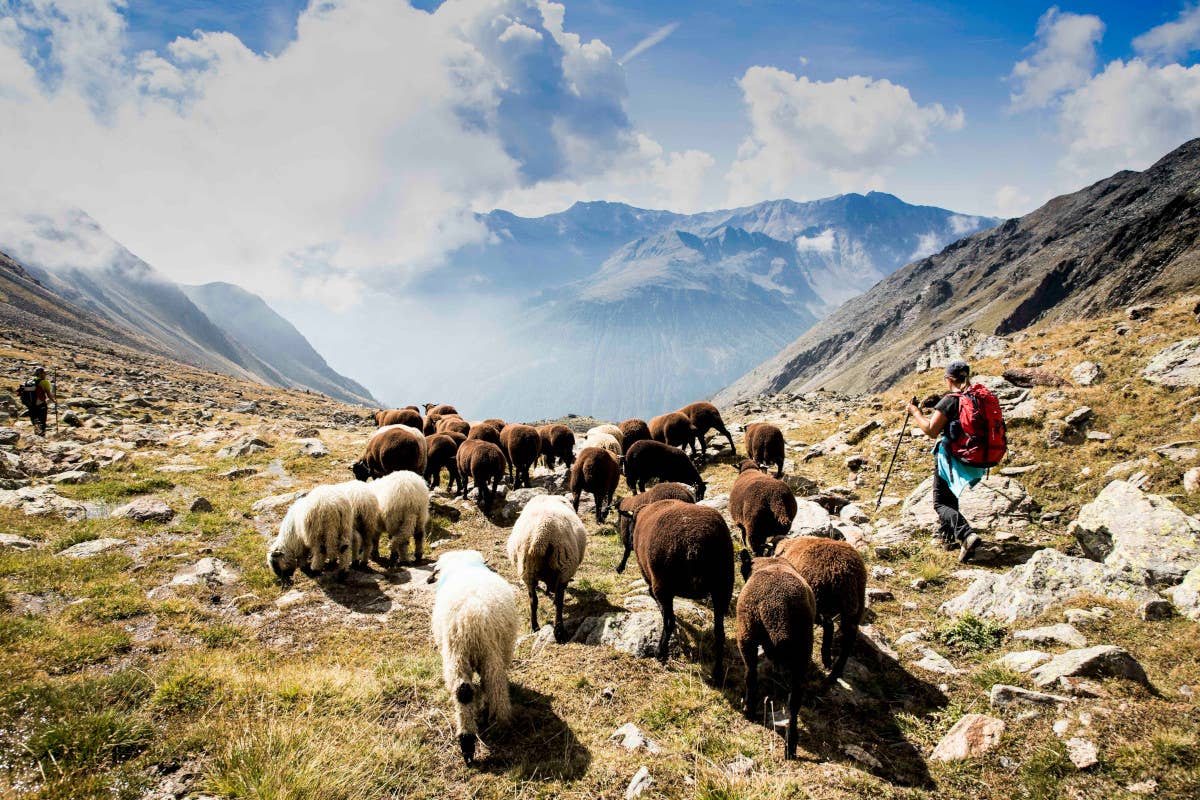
972, 440
37, 394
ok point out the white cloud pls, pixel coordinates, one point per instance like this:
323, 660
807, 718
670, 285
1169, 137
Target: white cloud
927, 244
653, 39
1064, 56
1171, 40
365, 141
961, 224
1009, 202
843, 133
823, 242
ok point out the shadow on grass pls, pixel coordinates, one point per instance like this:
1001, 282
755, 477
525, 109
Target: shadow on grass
361, 591
537, 743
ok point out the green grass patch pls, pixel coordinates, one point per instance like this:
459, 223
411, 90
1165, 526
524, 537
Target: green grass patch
114, 488
970, 634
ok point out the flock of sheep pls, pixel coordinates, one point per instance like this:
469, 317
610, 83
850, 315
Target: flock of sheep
683, 549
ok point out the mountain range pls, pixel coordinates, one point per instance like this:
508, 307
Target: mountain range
1129, 238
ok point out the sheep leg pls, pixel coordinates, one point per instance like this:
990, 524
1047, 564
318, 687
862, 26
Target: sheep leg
800, 662
727, 435
533, 601
625, 558
745, 536
848, 637
601, 510
418, 541
575, 500
452, 476
779, 469
667, 606
827, 642
494, 681
560, 633
749, 649
719, 640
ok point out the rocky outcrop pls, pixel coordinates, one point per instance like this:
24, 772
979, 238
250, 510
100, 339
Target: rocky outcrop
1177, 365
145, 509
1186, 596
1103, 661
42, 501
996, 503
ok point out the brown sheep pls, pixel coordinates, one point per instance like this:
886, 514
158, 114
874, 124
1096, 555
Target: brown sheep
522, 446
629, 506
648, 460
838, 578
558, 444
391, 450
776, 610
684, 550
705, 417
633, 430
454, 423
486, 432
399, 416
440, 410
764, 444
674, 429
498, 424
761, 506
595, 471
429, 428
482, 462
443, 452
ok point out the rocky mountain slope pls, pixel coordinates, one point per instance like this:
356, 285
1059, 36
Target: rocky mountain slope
1126, 238
76, 260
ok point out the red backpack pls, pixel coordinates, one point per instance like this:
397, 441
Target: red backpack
981, 439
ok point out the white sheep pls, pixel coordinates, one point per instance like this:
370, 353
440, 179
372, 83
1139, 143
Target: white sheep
547, 544
317, 531
605, 441
368, 520
611, 430
403, 499
291, 548
475, 627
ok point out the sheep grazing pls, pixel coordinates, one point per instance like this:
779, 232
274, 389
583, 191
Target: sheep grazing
475, 626
316, 535
838, 578
522, 446
398, 416
648, 460
453, 424
546, 545
292, 547
498, 424
776, 611
605, 441
558, 444
629, 506
367, 520
705, 417
443, 450
484, 463
764, 444
403, 500
684, 550
761, 506
440, 410
611, 430
391, 449
674, 429
429, 428
633, 430
598, 472
486, 432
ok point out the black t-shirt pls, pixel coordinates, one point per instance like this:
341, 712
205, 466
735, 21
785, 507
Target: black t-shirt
948, 405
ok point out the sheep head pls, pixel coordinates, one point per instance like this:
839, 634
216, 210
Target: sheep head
359, 468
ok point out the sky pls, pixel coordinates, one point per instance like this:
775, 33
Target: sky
301, 150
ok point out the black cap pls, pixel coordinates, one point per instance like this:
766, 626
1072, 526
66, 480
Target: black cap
959, 370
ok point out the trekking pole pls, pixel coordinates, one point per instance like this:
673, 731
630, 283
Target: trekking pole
896, 452
54, 389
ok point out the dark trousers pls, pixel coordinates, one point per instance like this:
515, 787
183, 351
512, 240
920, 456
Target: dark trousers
37, 415
954, 526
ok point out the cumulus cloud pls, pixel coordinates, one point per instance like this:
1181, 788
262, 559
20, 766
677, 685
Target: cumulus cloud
1064, 56
363, 143
1173, 39
823, 242
843, 133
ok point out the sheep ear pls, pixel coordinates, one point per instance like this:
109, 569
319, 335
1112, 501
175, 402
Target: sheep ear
433, 575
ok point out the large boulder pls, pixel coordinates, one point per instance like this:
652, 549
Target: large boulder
811, 520
1186, 596
972, 735
1087, 373
1177, 365
1102, 661
1143, 533
637, 630
42, 501
995, 503
1047, 579
145, 509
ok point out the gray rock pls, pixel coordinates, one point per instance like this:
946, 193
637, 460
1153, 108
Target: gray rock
237, 473
515, 501
989, 347
799, 484
1085, 617
1027, 412
9, 437
933, 661
1087, 373
1023, 660
811, 520
1002, 695
631, 738
88, 549
72, 419
1191, 480
9, 541
200, 505
1141, 311
1144, 534
973, 735
1059, 433
1080, 417
42, 501
856, 435
74, 476
1176, 366
996, 503
720, 502
1186, 596
637, 632
277, 502
145, 509
313, 447
1180, 451
1061, 633
640, 782
243, 447
1083, 754
206, 572
1101, 661
1047, 579
1154, 610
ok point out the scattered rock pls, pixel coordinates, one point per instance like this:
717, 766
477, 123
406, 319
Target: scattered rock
1080, 417
1027, 412
1180, 451
990, 347
236, 473
291, 598
1083, 754
10, 541
74, 476
971, 736
1176, 366
1023, 661
1002, 695
1191, 480
995, 503
91, 548
640, 782
1149, 786
145, 509
1155, 610
1062, 633
1186, 596
631, 738
42, 501
514, 502
856, 435
862, 756
200, 505
1141, 311
1080, 616
1030, 376
313, 447
243, 447
1102, 661
1087, 373
277, 501
741, 766
933, 661
206, 572
811, 520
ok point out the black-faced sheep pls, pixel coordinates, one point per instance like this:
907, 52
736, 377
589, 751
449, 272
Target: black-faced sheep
486, 432
316, 535
403, 500
522, 446
443, 452
558, 444
684, 550
629, 506
705, 417
391, 449
674, 429
595, 471
546, 545
475, 622
633, 430
482, 462
764, 444
838, 577
649, 460
761, 506
367, 520
399, 416
776, 611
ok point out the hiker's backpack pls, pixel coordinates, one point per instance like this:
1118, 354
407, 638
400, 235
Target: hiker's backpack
980, 439
28, 392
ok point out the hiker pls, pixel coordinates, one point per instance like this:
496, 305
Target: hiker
37, 394
950, 474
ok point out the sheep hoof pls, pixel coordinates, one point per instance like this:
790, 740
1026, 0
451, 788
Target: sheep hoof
560, 634
466, 745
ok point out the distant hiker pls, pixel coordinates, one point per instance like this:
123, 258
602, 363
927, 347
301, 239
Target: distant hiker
37, 394
971, 427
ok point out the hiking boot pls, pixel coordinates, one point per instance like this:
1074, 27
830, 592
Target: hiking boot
968, 548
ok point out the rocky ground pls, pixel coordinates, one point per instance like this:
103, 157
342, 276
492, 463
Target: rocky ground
150, 654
